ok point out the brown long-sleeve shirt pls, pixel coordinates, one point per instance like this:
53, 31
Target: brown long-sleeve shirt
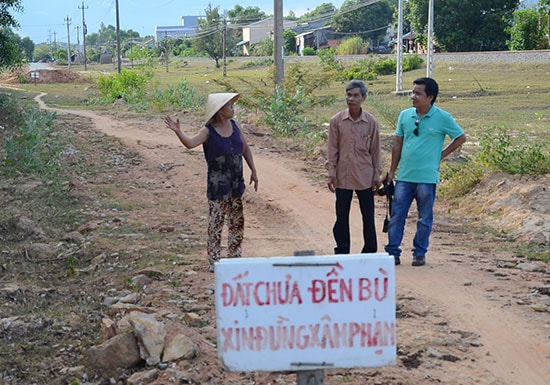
354, 156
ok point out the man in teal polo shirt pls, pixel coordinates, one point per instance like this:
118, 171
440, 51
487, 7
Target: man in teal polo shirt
418, 151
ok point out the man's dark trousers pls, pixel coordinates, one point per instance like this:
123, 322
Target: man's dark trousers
341, 228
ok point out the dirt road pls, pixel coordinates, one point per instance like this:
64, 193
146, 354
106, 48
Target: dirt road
466, 292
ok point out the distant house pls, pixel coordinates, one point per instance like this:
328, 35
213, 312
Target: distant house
317, 38
187, 29
105, 58
316, 34
409, 43
259, 31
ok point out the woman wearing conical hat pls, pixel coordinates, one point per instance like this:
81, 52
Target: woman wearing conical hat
224, 148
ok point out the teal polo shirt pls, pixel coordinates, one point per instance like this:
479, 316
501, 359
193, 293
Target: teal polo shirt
421, 155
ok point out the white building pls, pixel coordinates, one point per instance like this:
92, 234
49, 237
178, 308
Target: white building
187, 29
261, 30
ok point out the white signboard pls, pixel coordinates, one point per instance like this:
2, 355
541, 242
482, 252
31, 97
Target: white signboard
306, 313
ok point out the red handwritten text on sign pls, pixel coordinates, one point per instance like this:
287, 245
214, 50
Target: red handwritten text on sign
332, 290
302, 337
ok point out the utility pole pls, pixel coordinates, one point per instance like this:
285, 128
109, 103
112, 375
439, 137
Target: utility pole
50, 41
78, 41
54, 43
430, 66
166, 51
119, 56
399, 50
84, 32
278, 52
224, 42
68, 20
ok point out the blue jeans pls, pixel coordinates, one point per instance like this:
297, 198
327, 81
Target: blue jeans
341, 228
405, 192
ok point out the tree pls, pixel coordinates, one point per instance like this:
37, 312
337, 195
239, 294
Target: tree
105, 39
27, 46
544, 12
244, 16
291, 16
9, 51
368, 22
525, 32
289, 41
323, 10
210, 35
23, 47
43, 52
239, 17
465, 25
262, 48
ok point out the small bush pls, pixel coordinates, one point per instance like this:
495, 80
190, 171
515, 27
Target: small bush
308, 51
12, 114
353, 46
412, 62
513, 154
181, 96
458, 180
328, 61
385, 67
22, 79
283, 111
128, 85
262, 48
360, 73
35, 147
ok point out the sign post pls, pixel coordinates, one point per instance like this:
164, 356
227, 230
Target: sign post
34, 76
309, 377
306, 313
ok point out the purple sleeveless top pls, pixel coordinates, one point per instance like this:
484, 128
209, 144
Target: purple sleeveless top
224, 157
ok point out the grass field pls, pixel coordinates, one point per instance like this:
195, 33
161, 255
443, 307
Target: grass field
479, 95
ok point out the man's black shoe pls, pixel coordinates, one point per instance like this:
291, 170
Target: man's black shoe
397, 261
418, 260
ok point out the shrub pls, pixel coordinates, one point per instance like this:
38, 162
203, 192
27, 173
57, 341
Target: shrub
181, 96
513, 154
328, 61
35, 147
128, 85
22, 79
459, 179
262, 48
358, 72
12, 114
283, 110
386, 66
308, 51
412, 62
353, 46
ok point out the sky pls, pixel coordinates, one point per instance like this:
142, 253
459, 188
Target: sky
45, 20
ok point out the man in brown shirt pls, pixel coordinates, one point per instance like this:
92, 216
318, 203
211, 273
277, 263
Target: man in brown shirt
354, 164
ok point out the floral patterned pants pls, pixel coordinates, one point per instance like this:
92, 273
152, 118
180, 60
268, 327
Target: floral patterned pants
231, 208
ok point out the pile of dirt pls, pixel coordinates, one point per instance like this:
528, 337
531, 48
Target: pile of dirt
45, 76
518, 205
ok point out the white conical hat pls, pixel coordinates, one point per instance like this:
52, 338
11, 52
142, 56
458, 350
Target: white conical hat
215, 102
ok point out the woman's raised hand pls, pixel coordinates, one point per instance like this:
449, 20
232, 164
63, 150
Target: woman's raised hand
172, 124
